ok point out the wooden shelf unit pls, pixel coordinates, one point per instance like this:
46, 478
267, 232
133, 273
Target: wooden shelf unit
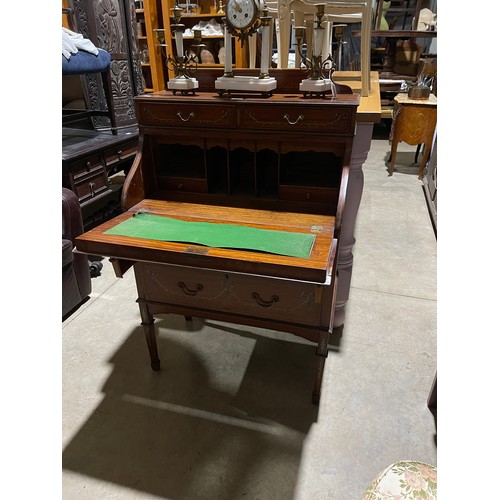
207, 11
153, 72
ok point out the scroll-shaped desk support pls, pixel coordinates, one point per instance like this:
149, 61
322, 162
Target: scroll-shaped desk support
316, 83
183, 65
263, 83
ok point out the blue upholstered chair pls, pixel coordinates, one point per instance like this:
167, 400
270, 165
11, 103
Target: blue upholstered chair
84, 63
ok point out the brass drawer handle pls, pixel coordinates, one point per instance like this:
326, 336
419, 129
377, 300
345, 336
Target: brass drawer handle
187, 291
92, 186
264, 303
191, 115
287, 118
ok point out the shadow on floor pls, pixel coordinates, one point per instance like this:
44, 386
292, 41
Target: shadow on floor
405, 162
176, 434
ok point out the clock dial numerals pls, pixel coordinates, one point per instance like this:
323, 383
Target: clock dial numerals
241, 14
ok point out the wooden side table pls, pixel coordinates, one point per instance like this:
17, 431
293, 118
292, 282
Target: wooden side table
414, 122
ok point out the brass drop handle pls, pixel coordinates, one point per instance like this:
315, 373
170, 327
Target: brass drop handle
287, 118
191, 115
264, 303
187, 291
92, 186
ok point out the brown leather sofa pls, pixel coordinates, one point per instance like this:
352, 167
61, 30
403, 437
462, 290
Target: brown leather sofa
76, 283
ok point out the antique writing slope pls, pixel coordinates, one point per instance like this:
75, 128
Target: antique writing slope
280, 165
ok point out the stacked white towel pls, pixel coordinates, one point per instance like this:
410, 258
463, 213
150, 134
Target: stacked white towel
73, 42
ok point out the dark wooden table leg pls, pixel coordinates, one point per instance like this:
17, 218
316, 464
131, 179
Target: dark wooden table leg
394, 150
427, 151
321, 355
149, 331
432, 399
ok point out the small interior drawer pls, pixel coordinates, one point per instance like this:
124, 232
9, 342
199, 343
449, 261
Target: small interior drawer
309, 194
183, 184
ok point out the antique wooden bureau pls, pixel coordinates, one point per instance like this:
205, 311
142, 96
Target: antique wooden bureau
273, 164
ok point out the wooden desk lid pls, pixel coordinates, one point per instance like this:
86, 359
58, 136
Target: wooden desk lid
316, 268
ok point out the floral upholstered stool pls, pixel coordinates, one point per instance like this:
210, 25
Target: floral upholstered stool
404, 480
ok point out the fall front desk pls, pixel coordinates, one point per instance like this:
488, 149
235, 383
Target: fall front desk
234, 212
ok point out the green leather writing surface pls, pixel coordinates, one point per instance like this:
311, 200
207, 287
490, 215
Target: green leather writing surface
154, 227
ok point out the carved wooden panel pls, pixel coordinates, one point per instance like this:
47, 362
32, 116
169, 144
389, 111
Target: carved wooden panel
107, 24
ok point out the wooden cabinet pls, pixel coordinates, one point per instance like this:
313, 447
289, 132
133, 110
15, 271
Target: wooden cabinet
89, 159
276, 155
414, 122
279, 164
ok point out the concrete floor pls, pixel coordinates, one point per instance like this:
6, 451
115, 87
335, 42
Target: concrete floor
229, 415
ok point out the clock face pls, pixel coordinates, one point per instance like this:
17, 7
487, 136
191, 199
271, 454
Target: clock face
241, 14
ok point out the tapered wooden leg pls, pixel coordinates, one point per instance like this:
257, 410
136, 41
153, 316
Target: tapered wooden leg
149, 331
417, 152
394, 150
427, 151
321, 355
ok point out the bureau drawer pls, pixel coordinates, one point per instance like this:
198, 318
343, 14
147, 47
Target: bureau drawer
310, 194
283, 300
86, 166
274, 299
184, 286
91, 186
187, 115
183, 184
327, 119
120, 153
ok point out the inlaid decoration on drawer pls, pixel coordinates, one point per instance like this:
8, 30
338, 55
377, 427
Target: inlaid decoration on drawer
322, 119
238, 294
177, 285
187, 115
120, 153
86, 166
91, 186
274, 298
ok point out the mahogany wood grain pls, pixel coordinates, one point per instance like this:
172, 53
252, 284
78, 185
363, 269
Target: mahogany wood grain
281, 163
317, 268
